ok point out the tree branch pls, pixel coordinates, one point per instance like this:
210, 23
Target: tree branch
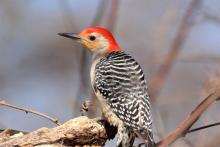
79, 131
54, 120
83, 131
185, 125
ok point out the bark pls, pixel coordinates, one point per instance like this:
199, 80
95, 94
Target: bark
80, 131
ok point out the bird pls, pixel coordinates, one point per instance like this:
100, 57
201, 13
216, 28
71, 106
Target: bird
119, 85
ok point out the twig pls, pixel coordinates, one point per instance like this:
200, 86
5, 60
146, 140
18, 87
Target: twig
54, 120
203, 127
185, 125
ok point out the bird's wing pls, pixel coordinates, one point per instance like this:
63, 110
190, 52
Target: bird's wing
120, 79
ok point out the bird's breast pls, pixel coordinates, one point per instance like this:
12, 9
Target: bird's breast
93, 71
105, 108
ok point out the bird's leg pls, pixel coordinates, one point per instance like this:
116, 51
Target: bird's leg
132, 138
121, 130
125, 138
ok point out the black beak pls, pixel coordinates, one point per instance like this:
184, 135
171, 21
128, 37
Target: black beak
73, 36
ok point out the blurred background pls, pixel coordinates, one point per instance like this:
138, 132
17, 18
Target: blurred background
176, 42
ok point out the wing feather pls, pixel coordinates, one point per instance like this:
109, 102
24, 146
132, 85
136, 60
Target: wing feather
120, 79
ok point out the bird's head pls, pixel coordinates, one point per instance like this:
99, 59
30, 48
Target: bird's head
96, 39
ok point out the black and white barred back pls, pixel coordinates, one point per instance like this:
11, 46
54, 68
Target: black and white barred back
120, 80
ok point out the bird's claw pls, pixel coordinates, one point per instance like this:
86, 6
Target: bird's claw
85, 107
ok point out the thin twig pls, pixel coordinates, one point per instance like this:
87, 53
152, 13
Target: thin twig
185, 125
54, 120
203, 127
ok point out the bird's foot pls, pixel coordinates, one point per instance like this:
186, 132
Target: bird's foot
85, 107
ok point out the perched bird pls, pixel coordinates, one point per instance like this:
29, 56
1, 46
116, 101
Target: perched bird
119, 85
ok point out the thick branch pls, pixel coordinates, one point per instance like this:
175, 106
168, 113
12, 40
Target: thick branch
79, 131
185, 125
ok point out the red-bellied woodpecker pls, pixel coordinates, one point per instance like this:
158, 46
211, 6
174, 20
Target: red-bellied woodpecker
119, 85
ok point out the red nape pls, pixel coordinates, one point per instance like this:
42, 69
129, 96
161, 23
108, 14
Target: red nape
113, 46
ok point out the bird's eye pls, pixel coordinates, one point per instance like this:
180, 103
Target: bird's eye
92, 38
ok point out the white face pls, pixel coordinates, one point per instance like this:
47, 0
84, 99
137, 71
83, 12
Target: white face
95, 42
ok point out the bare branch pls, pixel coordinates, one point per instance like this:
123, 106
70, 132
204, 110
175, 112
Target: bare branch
185, 125
54, 120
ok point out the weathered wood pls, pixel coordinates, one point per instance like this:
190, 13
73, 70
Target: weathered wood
80, 131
